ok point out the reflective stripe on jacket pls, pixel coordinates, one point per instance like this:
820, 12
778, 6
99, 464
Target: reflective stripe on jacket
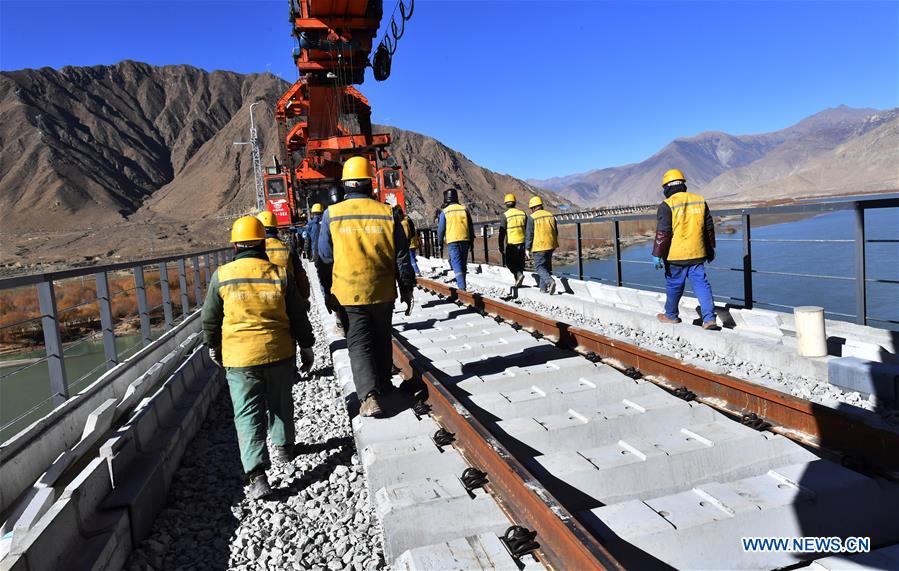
277, 251
364, 270
546, 235
457, 229
687, 223
515, 222
413, 237
255, 328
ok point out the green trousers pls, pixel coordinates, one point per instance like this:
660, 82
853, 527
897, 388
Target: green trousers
263, 404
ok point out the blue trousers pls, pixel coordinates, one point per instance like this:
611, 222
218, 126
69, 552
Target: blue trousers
458, 259
543, 263
414, 261
675, 279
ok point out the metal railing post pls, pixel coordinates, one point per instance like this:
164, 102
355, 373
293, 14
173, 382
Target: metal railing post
208, 277
182, 285
106, 323
747, 260
198, 289
486, 248
52, 342
143, 308
166, 295
861, 291
580, 257
616, 243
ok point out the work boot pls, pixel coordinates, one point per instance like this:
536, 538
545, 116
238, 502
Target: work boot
258, 488
519, 279
711, 326
551, 288
665, 319
370, 406
282, 454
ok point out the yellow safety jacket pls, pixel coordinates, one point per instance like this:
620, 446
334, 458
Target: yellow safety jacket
277, 251
255, 328
546, 235
413, 239
364, 270
456, 223
516, 220
688, 225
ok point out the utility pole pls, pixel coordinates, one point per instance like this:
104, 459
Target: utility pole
257, 159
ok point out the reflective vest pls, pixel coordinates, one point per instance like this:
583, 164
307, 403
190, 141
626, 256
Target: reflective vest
456, 223
413, 240
255, 328
515, 225
364, 270
688, 225
277, 251
546, 236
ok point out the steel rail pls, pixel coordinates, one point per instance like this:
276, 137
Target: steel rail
840, 431
564, 542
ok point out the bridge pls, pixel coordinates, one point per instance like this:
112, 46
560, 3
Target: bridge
526, 432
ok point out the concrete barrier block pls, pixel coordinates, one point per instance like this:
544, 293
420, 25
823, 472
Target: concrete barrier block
761, 320
603, 293
142, 492
42, 546
119, 451
145, 422
107, 549
865, 377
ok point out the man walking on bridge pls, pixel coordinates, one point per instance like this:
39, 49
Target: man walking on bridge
541, 240
312, 230
685, 240
454, 227
280, 254
252, 317
511, 238
364, 255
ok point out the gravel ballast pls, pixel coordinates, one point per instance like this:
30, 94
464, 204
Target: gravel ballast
319, 517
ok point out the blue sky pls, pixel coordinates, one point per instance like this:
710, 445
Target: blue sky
533, 89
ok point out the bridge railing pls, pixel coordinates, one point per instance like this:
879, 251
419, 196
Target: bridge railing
602, 236
62, 330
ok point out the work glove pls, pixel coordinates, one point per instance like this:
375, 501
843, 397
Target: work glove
331, 303
307, 357
659, 264
527, 254
406, 297
215, 354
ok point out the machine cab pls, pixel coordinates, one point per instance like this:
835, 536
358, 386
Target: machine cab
391, 187
277, 196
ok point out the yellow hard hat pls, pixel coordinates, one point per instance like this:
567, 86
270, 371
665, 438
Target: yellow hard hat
267, 217
509, 198
357, 168
317, 208
247, 229
535, 201
672, 175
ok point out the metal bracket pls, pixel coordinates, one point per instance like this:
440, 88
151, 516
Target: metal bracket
520, 541
472, 478
420, 409
633, 373
443, 437
685, 393
752, 420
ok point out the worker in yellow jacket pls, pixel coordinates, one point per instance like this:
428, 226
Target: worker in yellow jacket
541, 239
252, 320
412, 236
512, 226
364, 255
685, 240
455, 229
280, 254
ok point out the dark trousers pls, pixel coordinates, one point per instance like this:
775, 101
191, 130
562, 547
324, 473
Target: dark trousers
515, 258
367, 329
543, 263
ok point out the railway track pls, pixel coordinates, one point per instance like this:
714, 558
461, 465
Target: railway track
613, 456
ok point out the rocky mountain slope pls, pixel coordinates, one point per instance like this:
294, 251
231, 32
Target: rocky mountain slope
131, 160
836, 150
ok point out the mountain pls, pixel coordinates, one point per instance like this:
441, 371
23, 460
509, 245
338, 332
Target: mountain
757, 167
129, 160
